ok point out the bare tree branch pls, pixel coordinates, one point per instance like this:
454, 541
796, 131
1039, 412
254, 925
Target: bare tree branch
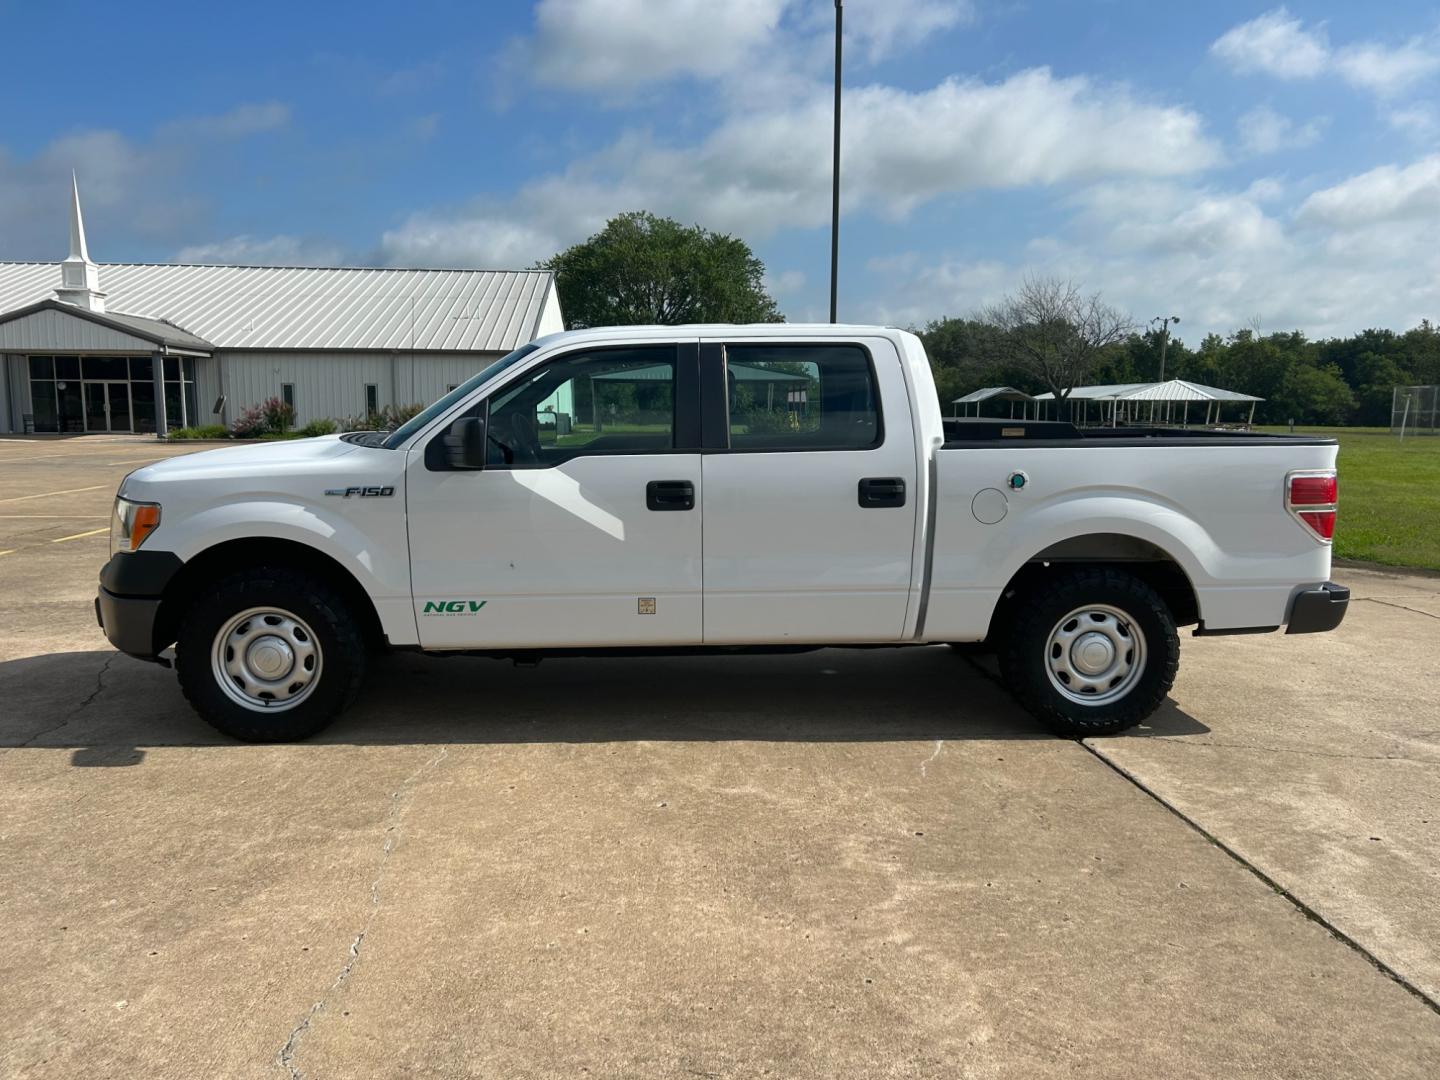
1056, 332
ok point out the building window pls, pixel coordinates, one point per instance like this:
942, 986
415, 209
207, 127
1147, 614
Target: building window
372, 399
287, 394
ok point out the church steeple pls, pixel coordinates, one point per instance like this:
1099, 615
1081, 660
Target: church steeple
79, 277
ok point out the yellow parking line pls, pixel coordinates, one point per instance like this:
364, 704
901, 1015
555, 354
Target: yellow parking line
8, 551
79, 536
47, 494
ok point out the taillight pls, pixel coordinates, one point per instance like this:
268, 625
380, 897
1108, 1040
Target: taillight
1311, 497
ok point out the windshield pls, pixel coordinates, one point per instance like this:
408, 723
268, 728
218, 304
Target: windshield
420, 419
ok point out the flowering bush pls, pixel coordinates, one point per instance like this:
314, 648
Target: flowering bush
250, 424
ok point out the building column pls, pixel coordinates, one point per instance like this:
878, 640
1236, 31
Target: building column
184, 406
157, 373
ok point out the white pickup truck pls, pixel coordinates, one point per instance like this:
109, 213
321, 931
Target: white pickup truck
726, 488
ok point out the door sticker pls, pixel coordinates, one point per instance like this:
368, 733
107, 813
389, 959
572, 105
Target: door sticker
452, 607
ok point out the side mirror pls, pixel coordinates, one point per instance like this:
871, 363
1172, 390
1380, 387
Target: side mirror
465, 444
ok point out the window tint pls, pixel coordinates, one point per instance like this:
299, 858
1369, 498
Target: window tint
609, 401
801, 397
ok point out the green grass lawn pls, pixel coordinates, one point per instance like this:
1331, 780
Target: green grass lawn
1389, 496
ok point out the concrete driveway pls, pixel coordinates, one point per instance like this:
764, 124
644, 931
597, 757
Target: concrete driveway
836, 864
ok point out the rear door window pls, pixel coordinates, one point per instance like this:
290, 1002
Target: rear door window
801, 397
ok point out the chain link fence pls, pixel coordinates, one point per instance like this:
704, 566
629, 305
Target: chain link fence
1415, 410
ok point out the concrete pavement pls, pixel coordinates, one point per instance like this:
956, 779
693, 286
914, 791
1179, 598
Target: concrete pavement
841, 863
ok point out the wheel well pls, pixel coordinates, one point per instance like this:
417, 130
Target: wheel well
1149, 562
233, 555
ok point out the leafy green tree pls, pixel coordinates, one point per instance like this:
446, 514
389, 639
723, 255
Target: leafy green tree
1316, 395
643, 269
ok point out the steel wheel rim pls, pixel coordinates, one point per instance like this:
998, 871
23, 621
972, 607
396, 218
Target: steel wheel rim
266, 659
1095, 655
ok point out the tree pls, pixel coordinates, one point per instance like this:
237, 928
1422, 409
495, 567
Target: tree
1057, 333
641, 269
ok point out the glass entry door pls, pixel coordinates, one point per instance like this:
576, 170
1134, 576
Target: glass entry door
107, 406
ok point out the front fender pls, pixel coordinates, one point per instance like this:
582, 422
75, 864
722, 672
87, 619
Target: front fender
374, 551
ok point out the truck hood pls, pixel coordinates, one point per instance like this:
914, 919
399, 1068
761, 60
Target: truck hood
275, 460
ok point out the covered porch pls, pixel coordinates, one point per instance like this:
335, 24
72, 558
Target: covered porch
71, 370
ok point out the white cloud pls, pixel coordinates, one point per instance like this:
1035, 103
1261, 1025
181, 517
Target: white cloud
1420, 123
622, 44
1262, 130
280, 250
251, 118
1384, 195
785, 282
766, 170
1385, 71
1278, 44
883, 28
1216, 258
617, 46
127, 189
1275, 43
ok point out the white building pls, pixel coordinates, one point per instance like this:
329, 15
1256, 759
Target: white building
124, 346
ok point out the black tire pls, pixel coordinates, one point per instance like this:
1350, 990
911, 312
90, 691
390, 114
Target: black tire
1026, 651
322, 612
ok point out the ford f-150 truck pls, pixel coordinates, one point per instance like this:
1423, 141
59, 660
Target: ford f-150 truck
726, 488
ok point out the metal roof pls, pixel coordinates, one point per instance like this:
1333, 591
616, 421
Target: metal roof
307, 307
157, 331
1171, 390
1004, 393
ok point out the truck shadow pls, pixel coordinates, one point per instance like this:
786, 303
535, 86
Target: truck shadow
108, 707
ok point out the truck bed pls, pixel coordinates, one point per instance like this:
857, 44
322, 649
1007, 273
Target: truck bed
962, 434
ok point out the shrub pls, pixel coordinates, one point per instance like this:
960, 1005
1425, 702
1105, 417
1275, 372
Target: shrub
279, 417
387, 419
204, 431
318, 427
250, 424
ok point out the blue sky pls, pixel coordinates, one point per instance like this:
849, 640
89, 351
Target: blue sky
1236, 164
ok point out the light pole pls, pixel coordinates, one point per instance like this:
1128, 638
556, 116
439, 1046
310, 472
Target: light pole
835, 167
1164, 321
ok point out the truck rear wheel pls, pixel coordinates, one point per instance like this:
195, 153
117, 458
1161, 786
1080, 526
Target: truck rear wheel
269, 655
1090, 651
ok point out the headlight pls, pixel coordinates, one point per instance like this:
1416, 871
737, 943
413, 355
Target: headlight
132, 523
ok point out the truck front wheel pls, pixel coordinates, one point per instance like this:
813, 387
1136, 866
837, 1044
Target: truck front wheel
1090, 651
269, 655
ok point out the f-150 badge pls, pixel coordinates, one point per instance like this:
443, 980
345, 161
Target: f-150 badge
362, 492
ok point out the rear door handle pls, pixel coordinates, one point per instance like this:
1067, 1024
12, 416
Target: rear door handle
882, 491
670, 495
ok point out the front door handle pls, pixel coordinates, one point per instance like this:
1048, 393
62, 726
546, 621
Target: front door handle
882, 491
670, 495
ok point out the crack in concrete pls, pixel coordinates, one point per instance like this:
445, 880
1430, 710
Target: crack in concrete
73, 713
1402, 607
1187, 741
1311, 913
400, 801
939, 745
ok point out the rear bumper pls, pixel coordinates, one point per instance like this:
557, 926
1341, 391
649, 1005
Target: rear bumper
132, 587
1319, 609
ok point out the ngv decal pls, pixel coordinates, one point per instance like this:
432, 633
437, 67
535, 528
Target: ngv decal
362, 492
452, 607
